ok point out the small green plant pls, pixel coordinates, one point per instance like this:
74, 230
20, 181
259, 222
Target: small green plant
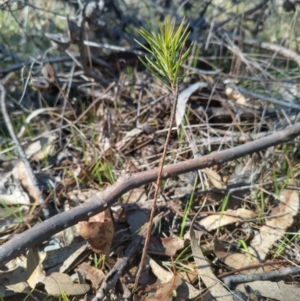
242, 244
103, 171
130, 73
284, 243
187, 209
98, 260
260, 204
223, 208
17, 213
64, 296
74, 140
166, 47
275, 183
182, 132
167, 53
185, 254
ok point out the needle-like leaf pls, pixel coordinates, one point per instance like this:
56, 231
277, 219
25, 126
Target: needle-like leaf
166, 50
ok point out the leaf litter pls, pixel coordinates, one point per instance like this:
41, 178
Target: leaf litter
97, 130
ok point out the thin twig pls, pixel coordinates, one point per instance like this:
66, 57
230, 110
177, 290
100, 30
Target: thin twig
157, 188
275, 101
233, 280
38, 194
25, 64
285, 52
254, 266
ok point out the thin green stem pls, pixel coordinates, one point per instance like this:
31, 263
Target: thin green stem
158, 182
167, 49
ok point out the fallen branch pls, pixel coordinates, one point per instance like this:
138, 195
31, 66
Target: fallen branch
101, 200
232, 281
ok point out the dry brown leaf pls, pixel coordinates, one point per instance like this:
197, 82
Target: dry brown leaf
49, 73
233, 260
172, 244
162, 274
20, 287
59, 41
75, 257
15, 196
99, 232
240, 260
213, 222
274, 290
39, 83
283, 217
165, 246
128, 139
13, 279
165, 291
35, 273
100, 217
214, 178
186, 291
41, 148
91, 273
188, 274
58, 283
235, 96
210, 280
56, 257
20, 173
219, 249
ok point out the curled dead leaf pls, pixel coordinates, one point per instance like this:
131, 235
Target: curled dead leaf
59, 283
20, 173
99, 232
40, 84
172, 244
214, 221
165, 291
210, 280
91, 273
214, 178
58, 40
49, 73
185, 291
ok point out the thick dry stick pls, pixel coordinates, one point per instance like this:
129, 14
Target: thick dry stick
101, 200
